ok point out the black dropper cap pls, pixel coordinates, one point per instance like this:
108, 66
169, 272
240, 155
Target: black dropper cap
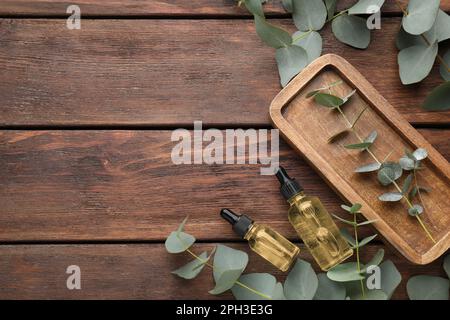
240, 222
289, 187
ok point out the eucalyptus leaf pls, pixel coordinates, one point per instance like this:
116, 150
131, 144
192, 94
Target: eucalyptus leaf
272, 35
338, 135
416, 62
287, 5
229, 264
442, 26
345, 272
254, 6
364, 6
445, 73
368, 167
179, 241
343, 220
371, 137
420, 154
331, 8
291, 60
421, 16
366, 222
447, 265
415, 190
328, 289
389, 172
301, 282
390, 278
311, 41
374, 294
193, 268
406, 40
328, 100
426, 287
415, 210
351, 30
407, 163
438, 99
263, 283
355, 208
309, 15
362, 145
366, 240
407, 184
278, 293
376, 259
346, 208
348, 237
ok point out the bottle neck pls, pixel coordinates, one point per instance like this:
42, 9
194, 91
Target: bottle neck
297, 197
250, 232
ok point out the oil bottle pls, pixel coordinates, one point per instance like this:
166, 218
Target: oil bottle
265, 241
313, 224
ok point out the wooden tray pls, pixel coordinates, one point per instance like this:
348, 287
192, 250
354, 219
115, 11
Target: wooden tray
307, 127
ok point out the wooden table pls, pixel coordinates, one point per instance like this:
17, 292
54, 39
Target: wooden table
86, 118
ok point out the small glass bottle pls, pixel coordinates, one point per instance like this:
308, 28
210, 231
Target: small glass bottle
266, 242
313, 224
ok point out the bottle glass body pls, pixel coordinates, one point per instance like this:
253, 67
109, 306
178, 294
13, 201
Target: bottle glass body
316, 228
272, 246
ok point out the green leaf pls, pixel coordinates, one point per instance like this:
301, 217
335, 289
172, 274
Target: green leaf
415, 190
309, 15
389, 172
343, 220
376, 259
193, 268
301, 282
442, 26
351, 30
346, 208
416, 62
421, 16
331, 8
371, 137
328, 100
344, 272
406, 163
443, 69
390, 278
311, 41
254, 6
406, 40
407, 184
366, 222
420, 154
364, 6
355, 208
368, 167
362, 145
374, 294
415, 210
272, 35
425, 287
366, 240
348, 237
338, 136
291, 60
447, 265
264, 283
179, 241
329, 290
439, 98
229, 264
287, 5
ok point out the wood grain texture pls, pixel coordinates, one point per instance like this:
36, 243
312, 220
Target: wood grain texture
137, 271
122, 185
160, 8
217, 71
307, 126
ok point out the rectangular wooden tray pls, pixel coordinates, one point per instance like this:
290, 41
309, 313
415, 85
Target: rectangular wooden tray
307, 126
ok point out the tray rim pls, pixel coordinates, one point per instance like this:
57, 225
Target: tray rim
386, 111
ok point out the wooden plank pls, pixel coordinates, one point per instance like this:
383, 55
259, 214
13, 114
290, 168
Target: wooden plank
217, 71
160, 8
136, 271
123, 185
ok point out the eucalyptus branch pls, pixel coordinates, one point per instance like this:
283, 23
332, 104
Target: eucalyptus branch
205, 262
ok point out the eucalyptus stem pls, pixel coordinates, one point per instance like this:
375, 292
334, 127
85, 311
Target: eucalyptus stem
378, 161
358, 264
336, 15
205, 262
